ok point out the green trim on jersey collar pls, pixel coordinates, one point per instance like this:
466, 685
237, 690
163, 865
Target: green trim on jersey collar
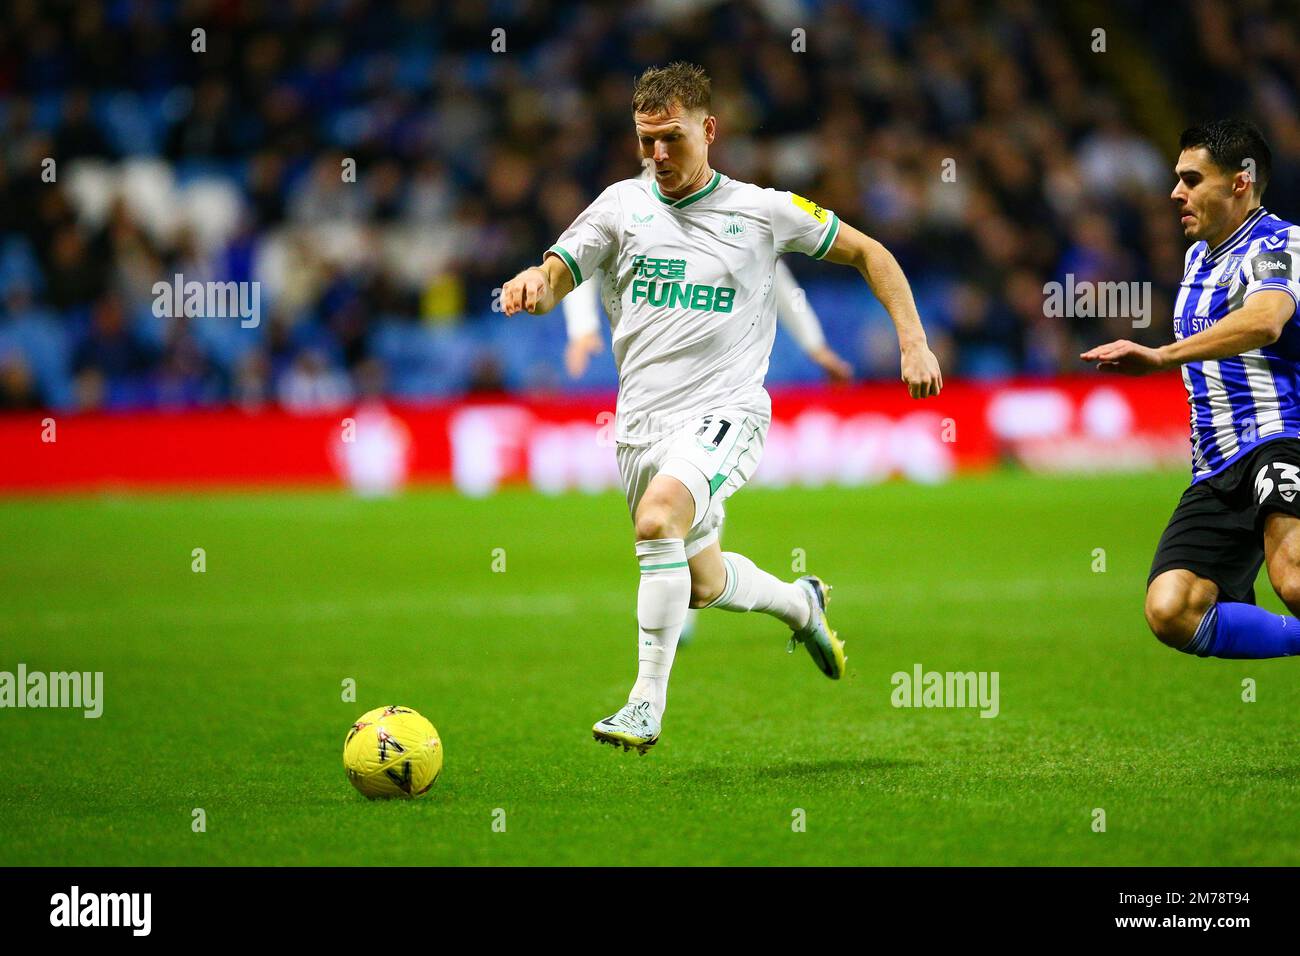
829, 241
693, 197
569, 261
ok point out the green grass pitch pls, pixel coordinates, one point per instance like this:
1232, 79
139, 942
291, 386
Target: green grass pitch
223, 689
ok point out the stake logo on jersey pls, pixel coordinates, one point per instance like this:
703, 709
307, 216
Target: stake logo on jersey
1238, 402
659, 284
692, 313
1271, 265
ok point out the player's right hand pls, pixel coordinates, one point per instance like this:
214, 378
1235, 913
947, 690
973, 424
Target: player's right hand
525, 291
578, 353
1125, 357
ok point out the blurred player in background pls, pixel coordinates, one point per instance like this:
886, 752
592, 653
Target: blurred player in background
689, 264
1240, 358
793, 310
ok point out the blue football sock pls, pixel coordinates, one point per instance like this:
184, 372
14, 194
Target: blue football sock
1244, 632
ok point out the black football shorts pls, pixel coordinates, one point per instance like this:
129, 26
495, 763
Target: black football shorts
1217, 530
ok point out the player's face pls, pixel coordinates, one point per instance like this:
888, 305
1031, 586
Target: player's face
678, 144
1208, 198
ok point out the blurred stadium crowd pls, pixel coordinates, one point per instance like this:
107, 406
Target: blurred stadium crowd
228, 164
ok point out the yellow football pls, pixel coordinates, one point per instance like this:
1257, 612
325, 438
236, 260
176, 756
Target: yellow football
392, 752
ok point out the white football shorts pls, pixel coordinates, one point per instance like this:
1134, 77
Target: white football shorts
713, 455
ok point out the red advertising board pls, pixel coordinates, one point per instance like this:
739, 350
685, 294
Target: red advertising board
850, 435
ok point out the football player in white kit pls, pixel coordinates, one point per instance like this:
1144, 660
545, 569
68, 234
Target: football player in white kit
689, 261
793, 311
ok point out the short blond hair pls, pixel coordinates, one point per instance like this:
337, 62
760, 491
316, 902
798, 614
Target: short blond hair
659, 87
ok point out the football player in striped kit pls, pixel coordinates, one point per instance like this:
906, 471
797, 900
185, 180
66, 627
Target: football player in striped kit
1239, 353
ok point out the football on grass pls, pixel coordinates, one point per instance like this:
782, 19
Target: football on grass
392, 752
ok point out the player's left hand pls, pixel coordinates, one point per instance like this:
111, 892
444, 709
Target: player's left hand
836, 369
921, 372
1125, 357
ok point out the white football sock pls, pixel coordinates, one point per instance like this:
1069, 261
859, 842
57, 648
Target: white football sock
661, 604
750, 588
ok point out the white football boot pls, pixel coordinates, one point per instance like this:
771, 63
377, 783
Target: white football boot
826, 648
635, 725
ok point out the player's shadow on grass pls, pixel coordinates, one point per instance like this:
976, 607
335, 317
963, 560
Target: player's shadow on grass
805, 771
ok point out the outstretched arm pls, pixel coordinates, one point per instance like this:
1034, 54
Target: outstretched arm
920, 369
537, 289
1257, 323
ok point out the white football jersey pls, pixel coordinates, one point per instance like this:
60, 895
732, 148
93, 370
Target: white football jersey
688, 289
